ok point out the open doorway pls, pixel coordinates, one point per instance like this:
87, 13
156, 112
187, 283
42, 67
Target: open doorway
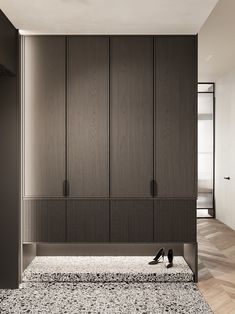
206, 109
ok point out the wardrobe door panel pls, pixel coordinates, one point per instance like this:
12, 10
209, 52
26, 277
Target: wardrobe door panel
131, 116
44, 116
175, 115
88, 116
43, 221
131, 221
175, 220
88, 221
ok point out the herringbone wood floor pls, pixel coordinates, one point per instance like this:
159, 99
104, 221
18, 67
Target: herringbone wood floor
217, 265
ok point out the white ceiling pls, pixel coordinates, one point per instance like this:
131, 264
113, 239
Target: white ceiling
108, 16
216, 42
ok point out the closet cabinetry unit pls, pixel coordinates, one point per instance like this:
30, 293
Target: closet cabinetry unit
113, 120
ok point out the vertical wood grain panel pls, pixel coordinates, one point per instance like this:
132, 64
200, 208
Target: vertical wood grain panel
44, 220
88, 114
88, 221
131, 221
131, 116
175, 115
175, 220
44, 116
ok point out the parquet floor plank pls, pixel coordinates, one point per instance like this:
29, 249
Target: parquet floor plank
216, 250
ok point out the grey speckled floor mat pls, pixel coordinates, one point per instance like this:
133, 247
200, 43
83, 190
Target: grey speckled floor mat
60, 285
105, 269
103, 298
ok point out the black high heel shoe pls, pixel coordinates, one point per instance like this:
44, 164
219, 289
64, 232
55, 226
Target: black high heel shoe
160, 254
170, 256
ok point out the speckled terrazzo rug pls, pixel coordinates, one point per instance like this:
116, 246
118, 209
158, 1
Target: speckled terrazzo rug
105, 269
106, 284
108, 298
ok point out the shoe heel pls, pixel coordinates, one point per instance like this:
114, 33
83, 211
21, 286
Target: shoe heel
160, 255
170, 256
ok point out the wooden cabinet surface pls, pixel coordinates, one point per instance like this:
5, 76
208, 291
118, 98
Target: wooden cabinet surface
44, 221
175, 220
131, 116
175, 116
88, 116
88, 221
131, 221
44, 116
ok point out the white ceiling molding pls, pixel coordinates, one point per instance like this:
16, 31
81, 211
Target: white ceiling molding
108, 16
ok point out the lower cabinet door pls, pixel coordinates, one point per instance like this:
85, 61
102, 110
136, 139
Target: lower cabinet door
175, 220
131, 221
43, 221
88, 221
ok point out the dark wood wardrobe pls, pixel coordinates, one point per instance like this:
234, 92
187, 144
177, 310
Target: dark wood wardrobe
110, 129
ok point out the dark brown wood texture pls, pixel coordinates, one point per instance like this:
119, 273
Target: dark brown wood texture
175, 115
9, 184
88, 116
88, 221
44, 221
131, 116
175, 220
131, 221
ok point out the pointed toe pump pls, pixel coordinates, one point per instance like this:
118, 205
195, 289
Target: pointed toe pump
170, 256
158, 257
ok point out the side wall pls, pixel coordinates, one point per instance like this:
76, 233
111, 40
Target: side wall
9, 161
225, 149
9, 183
8, 45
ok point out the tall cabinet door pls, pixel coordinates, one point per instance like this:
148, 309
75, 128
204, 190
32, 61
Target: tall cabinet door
88, 116
131, 116
44, 116
175, 115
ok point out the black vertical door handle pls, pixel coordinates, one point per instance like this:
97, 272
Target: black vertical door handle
153, 186
66, 188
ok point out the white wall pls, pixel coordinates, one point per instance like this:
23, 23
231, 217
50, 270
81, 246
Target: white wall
216, 44
225, 149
